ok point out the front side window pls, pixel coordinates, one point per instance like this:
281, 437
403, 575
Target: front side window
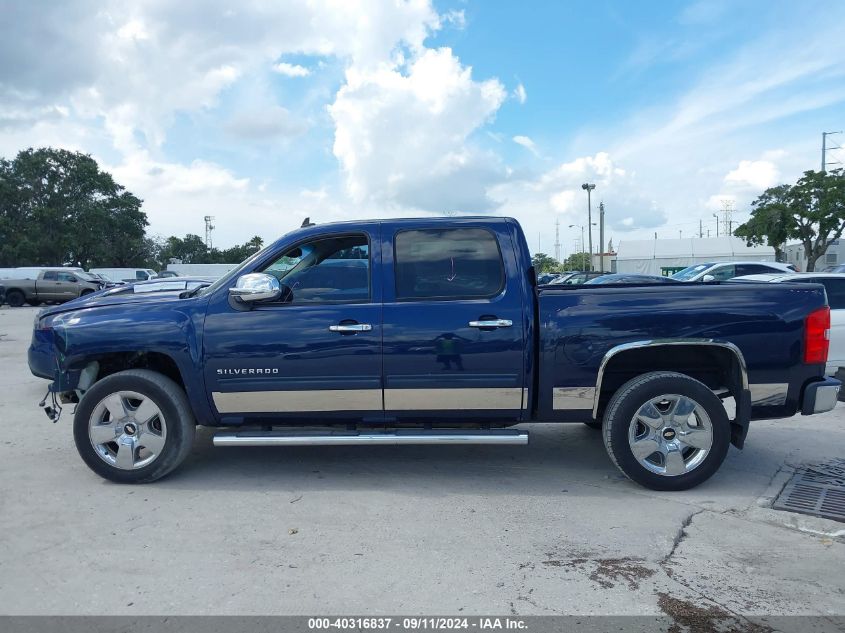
447, 264
51, 275
328, 270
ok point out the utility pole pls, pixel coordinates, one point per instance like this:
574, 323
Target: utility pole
588, 187
601, 236
825, 162
701, 228
717, 224
208, 229
557, 240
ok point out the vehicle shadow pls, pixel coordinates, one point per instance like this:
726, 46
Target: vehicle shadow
567, 458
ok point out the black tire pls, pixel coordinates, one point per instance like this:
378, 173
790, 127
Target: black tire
33, 302
173, 404
15, 298
627, 401
85, 292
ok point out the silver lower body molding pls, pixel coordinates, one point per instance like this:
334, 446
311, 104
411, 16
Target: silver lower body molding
388, 438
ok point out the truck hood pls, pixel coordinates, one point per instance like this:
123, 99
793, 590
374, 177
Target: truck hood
123, 295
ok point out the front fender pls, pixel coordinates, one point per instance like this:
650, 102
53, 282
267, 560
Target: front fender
63, 344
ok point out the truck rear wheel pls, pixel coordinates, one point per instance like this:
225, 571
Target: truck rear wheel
134, 426
666, 431
15, 298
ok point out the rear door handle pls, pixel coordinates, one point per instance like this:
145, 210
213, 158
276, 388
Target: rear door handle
491, 323
351, 327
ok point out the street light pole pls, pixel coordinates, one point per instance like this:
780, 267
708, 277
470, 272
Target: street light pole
583, 254
717, 224
588, 187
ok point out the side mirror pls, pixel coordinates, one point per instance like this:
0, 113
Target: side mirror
256, 287
707, 278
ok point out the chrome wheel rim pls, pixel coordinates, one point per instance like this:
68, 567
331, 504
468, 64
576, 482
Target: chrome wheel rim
670, 435
127, 430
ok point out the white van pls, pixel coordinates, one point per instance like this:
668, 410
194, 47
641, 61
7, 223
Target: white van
126, 274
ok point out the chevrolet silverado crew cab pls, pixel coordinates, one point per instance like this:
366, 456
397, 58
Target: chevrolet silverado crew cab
429, 331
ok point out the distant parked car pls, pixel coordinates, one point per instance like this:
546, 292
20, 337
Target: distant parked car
722, 271
164, 274
625, 278
835, 269
2, 294
547, 278
126, 274
834, 284
108, 282
576, 278
56, 285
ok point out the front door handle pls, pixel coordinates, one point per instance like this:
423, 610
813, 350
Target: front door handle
491, 323
350, 328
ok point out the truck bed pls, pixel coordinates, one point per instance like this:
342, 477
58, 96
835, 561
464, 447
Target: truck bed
579, 325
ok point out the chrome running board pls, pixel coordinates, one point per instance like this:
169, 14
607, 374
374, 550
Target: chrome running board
388, 438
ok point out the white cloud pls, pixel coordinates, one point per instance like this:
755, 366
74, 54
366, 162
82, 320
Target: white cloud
454, 18
520, 94
527, 143
291, 70
268, 124
557, 194
758, 174
403, 137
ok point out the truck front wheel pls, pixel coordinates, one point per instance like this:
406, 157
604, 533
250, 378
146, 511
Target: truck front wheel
666, 431
15, 298
134, 426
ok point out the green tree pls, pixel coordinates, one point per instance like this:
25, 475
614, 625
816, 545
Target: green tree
770, 222
812, 211
58, 207
544, 263
577, 261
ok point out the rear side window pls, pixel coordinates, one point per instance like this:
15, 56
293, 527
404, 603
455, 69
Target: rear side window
835, 289
51, 275
448, 264
755, 269
835, 292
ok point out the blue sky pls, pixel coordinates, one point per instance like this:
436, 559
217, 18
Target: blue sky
263, 113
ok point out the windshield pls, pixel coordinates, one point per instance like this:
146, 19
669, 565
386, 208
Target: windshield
689, 273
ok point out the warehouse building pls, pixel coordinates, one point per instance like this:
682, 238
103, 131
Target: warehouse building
665, 257
833, 256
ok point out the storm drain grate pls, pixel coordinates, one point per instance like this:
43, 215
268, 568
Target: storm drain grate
816, 489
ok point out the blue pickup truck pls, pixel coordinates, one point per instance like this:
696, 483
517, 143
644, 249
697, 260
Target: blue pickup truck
429, 331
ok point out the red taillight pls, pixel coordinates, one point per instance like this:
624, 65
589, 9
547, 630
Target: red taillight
817, 336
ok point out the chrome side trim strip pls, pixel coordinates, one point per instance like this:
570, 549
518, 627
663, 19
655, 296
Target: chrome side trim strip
475, 399
573, 397
388, 439
666, 342
297, 400
768, 394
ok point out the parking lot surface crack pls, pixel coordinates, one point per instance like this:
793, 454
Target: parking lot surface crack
680, 535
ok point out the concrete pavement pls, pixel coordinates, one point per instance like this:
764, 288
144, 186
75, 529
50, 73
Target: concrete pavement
546, 529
